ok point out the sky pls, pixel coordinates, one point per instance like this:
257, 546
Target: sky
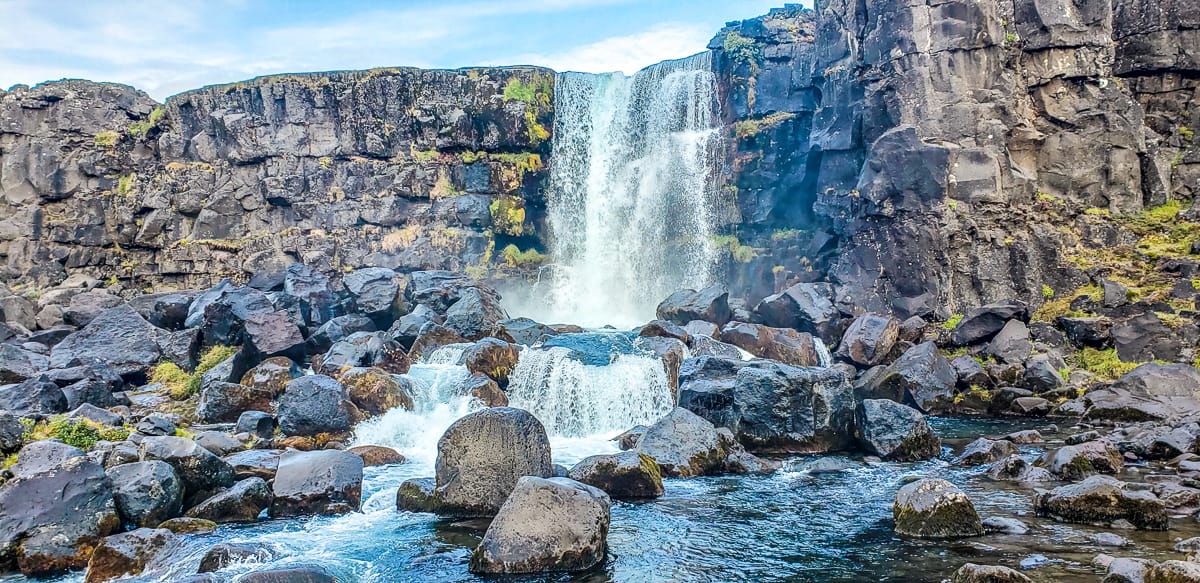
167, 46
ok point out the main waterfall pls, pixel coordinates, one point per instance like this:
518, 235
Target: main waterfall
632, 191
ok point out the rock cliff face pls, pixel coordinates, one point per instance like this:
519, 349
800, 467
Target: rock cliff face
937, 155
392, 167
924, 157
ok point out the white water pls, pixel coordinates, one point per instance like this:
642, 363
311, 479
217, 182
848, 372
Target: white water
632, 191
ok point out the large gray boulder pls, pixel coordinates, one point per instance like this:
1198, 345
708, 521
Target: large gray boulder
1151, 392
317, 482
482, 455
51, 521
894, 432
37, 397
316, 404
1103, 500
710, 304
40, 456
475, 315
376, 293
806, 307
18, 364
686, 445
201, 471
783, 344
146, 493
869, 339
628, 474
932, 508
241, 503
972, 573
1076, 462
118, 336
981, 324
921, 377
546, 525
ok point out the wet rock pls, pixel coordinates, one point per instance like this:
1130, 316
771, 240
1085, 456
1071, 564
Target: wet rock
981, 324
787, 409
782, 344
869, 339
686, 445
241, 503
1126, 570
1173, 572
894, 432
492, 357
972, 573
1103, 500
1075, 462
629, 440
705, 346
484, 389
1108, 539
293, 574
475, 315
1015, 469
985, 451
671, 352
188, 525
432, 337
628, 474
317, 482
146, 493
1005, 525
51, 521
316, 404
128, 553
710, 305
700, 329
664, 329
375, 391
418, 495
377, 455
336, 330
200, 471
1149, 392
364, 349
41, 456
482, 455
921, 377
554, 524
1024, 437
256, 423
806, 307
932, 508
260, 463
522, 331
227, 554
119, 337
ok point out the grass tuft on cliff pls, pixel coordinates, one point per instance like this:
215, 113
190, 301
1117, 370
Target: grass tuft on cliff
181, 385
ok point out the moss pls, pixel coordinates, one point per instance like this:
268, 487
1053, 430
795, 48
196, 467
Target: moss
9, 461
444, 188
1104, 363
139, 129
752, 127
106, 139
1155, 220
508, 215
1047, 292
125, 184
740, 253
537, 95
74, 432
172, 377
469, 157
423, 155
1056, 308
1187, 133
536, 132
778, 269
515, 257
743, 50
402, 238
325, 162
952, 322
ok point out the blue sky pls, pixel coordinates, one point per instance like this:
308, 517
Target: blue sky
168, 46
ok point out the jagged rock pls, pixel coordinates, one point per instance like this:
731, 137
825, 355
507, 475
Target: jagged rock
146, 493
17, 364
51, 521
1075, 462
218, 442
119, 337
1149, 392
156, 424
1016, 469
316, 404
242, 502
338, 329
1103, 500
483, 388
475, 315
985, 451
11, 433
972, 573
921, 377
686, 445
377, 455
492, 357
806, 307
85, 306
254, 463
431, 337
705, 346
521, 331
894, 431
224, 402
270, 334
1040, 375
932, 508
1030, 406
376, 293
1144, 338
36, 397
554, 524
1012, 344
317, 482
256, 423
40, 456
1087, 332
128, 553
970, 373
481, 456
374, 391
200, 471
221, 312
981, 324
869, 339
364, 349
628, 474
709, 304
782, 344
168, 311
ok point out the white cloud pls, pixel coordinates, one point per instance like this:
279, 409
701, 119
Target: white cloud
627, 54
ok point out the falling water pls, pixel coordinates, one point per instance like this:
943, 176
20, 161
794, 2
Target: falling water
632, 190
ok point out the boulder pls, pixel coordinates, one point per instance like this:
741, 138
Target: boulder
51, 521
972, 573
1012, 344
240, 503
364, 349
254, 463
782, 344
85, 307
869, 339
18, 364
483, 388
985, 451
41, 456
156, 424
168, 311
292, 574
128, 553
272, 375
316, 404
970, 373
37, 397
628, 474
807, 307
432, 337
406, 330
546, 525
1087, 332
188, 525
1015, 469
1151, 392
710, 305
418, 495
119, 337
376, 293
475, 315
1040, 375
1173, 572
1146, 337
221, 312
492, 357
981, 324
1075, 462
375, 391
481, 457
338, 329
686, 445
11, 433
222, 402
921, 377
1103, 500
317, 482
894, 432
932, 508
146, 493
270, 334
664, 329
377, 455
671, 352
200, 471
629, 440
227, 554
522, 331
256, 423
89, 412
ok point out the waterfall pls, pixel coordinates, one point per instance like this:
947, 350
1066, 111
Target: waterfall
633, 190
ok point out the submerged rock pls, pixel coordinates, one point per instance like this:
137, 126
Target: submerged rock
545, 525
686, 445
128, 553
933, 508
317, 482
627, 474
1103, 500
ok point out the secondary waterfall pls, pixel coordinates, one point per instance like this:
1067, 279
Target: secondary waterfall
632, 191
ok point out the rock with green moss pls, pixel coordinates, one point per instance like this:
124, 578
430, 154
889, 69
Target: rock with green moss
894, 431
375, 391
628, 474
1075, 462
935, 509
1173, 572
1103, 500
972, 573
492, 357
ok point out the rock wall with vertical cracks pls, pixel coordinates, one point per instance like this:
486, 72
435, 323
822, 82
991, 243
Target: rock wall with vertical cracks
930, 156
400, 168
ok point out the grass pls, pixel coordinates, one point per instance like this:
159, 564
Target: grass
443, 188
1104, 363
179, 383
515, 257
125, 184
139, 129
1056, 308
81, 433
402, 238
952, 322
106, 139
740, 253
1047, 292
752, 127
423, 155
508, 215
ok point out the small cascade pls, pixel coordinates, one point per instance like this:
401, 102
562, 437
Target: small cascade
573, 399
824, 358
448, 354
